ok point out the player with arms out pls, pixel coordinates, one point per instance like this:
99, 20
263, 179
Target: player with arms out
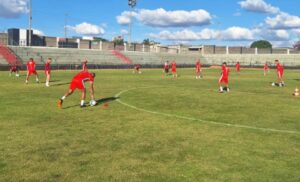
47, 71
31, 70
279, 71
14, 69
238, 67
174, 71
224, 78
78, 82
198, 69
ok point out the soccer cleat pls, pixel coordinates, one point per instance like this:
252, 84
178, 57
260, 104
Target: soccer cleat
59, 103
81, 106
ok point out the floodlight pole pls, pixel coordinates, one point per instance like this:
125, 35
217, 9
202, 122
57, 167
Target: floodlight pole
66, 21
132, 4
30, 22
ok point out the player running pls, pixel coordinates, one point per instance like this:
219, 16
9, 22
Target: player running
166, 68
238, 66
266, 69
14, 69
224, 78
198, 69
174, 71
78, 82
47, 71
279, 71
31, 70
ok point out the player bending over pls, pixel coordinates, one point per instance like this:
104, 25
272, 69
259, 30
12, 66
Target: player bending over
198, 69
47, 71
31, 70
224, 78
14, 68
279, 71
78, 82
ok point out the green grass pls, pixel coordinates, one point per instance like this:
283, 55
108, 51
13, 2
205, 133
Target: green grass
39, 142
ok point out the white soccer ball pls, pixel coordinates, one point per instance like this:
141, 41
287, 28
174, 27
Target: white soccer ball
273, 84
93, 103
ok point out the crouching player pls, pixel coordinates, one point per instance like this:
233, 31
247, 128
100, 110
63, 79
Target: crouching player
78, 82
14, 68
224, 78
279, 71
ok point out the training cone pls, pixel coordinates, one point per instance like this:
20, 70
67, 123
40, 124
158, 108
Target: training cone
105, 106
296, 93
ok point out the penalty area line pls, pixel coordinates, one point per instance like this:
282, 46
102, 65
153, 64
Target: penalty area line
196, 119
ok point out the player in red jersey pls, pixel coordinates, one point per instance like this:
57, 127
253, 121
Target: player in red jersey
266, 69
14, 69
198, 69
224, 78
31, 70
84, 65
279, 71
137, 69
174, 71
166, 68
78, 82
48, 71
238, 66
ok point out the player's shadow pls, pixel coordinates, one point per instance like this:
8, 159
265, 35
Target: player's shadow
59, 84
297, 79
51, 81
99, 102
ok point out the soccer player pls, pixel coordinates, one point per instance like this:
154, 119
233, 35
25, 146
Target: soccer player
137, 69
31, 70
174, 72
84, 65
78, 82
224, 78
198, 69
47, 71
279, 70
238, 66
166, 68
266, 69
14, 68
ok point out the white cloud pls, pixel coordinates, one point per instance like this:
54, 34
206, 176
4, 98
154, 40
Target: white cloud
259, 6
87, 29
283, 21
163, 18
38, 32
124, 32
124, 18
13, 8
272, 35
232, 33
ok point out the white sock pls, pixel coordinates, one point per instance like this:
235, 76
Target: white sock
221, 88
82, 102
63, 97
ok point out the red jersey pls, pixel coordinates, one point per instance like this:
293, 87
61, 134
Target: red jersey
279, 68
83, 76
47, 67
173, 67
30, 66
198, 66
237, 66
166, 66
266, 67
225, 71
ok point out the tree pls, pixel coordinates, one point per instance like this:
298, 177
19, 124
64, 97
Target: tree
146, 41
297, 45
261, 44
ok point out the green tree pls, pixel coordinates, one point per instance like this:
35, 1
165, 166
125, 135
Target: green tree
146, 41
261, 44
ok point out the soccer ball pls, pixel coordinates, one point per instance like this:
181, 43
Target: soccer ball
273, 84
93, 103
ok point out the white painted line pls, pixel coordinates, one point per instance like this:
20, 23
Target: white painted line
195, 119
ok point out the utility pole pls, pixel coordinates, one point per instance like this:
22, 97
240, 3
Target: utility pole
30, 22
132, 4
66, 22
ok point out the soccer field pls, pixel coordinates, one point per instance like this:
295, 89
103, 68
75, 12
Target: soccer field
155, 128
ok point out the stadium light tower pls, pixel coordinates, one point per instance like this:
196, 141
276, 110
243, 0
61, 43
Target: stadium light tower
30, 22
132, 4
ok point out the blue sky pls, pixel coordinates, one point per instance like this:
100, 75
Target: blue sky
219, 22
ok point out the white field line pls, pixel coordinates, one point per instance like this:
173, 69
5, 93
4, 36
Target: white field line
200, 120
